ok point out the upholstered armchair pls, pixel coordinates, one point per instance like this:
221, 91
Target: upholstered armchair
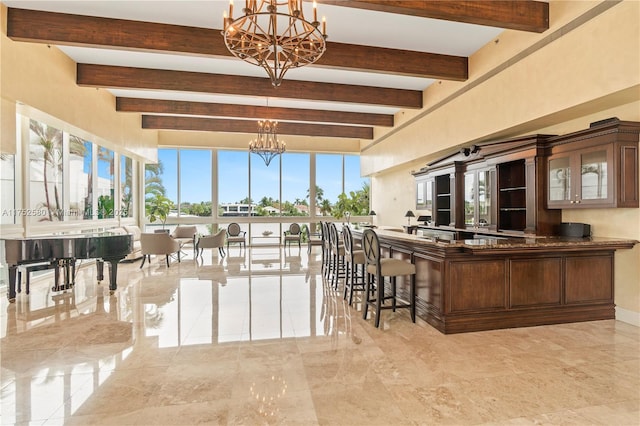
236, 235
158, 244
212, 241
186, 235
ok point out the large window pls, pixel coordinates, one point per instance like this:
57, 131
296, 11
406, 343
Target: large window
295, 184
246, 186
80, 186
7, 188
339, 188
233, 183
45, 172
265, 186
195, 182
106, 183
126, 186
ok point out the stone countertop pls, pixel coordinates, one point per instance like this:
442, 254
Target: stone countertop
485, 244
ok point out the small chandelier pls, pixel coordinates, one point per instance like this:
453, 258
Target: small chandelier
267, 145
274, 40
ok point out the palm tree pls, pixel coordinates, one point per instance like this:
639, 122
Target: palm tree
153, 180
325, 207
50, 139
319, 195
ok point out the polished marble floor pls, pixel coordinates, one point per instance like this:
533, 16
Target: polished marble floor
258, 338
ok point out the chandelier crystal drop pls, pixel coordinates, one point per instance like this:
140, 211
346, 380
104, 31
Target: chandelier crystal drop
275, 40
267, 145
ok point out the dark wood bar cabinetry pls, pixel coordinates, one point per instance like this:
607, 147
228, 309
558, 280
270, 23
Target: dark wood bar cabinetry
485, 284
520, 185
504, 263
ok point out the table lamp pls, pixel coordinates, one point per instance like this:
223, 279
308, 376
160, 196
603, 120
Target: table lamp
409, 214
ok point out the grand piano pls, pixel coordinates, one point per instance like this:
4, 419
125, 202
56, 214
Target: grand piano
63, 250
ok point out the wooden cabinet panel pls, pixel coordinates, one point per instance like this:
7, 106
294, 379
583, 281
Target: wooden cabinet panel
589, 279
429, 281
628, 176
535, 282
477, 285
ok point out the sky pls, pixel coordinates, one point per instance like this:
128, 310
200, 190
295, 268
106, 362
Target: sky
233, 173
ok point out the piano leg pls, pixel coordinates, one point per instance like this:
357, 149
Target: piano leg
113, 273
100, 269
11, 293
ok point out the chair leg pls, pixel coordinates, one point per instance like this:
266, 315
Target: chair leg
394, 291
167, 258
413, 297
365, 308
379, 297
346, 280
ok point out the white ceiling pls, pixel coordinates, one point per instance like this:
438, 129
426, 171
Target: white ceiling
345, 25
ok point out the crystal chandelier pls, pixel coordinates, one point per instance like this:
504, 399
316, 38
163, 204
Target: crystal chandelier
275, 41
267, 145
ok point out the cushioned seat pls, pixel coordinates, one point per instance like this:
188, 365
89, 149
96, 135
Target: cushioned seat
186, 235
159, 244
212, 241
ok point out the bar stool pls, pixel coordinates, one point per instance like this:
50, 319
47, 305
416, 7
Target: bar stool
355, 280
324, 235
381, 268
336, 249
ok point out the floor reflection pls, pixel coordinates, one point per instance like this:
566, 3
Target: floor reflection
257, 337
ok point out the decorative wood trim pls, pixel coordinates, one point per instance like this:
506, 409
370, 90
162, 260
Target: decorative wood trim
157, 106
166, 122
143, 78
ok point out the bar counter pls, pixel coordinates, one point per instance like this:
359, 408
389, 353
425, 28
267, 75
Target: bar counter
485, 284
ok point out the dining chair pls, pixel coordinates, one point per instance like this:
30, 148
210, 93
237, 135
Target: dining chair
292, 235
236, 235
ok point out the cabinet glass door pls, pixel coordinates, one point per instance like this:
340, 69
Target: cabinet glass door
470, 199
484, 198
594, 179
420, 194
559, 179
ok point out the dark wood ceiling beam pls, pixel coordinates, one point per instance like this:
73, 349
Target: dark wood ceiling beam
402, 62
164, 122
142, 78
523, 15
155, 106
88, 31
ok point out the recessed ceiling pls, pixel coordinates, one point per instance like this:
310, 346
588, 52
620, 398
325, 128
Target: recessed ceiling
381, 90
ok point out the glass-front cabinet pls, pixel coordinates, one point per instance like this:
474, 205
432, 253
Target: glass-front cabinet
477, 198
581, 178
594, 167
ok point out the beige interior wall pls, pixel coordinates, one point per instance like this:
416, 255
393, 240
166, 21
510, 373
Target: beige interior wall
587, 74
44, 78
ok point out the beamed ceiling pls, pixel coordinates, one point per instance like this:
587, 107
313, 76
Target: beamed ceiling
167, 59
